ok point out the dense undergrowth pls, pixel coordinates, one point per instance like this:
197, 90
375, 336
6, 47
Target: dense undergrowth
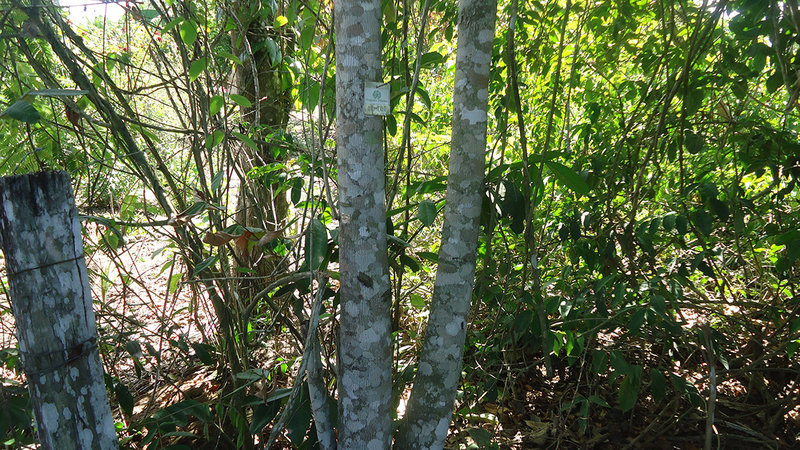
637, 269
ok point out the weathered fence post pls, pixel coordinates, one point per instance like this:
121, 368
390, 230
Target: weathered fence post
52, 304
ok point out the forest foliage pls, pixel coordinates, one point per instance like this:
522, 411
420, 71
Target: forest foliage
637, 268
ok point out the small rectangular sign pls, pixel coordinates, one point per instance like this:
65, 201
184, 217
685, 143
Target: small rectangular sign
376, 99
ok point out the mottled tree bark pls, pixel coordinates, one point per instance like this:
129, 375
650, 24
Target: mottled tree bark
52, 305
365, 378
431, 404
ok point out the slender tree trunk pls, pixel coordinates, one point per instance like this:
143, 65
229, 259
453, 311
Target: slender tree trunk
259, 79
431, 404
52, 305
365, 377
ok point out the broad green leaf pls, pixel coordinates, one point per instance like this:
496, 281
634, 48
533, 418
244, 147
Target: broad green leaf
694, 143
280, 21
205, 264
409, 262
274, 52
124, 397
214, 139
417, 301
23, 111
426, 212
681, 224
637, 320
203, 354
263, 415
197, 68
241, 100
299, 417
230, 57
658, 303
316, 244
431, 59
188, 32
430, 256
481, 437
686, 387
658, 384
568, 177
669, 221
703, 222
522, 321
215, 104
629, 390
246, 139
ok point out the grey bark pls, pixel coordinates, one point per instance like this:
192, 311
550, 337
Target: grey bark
430, 406
52, 304
365, 378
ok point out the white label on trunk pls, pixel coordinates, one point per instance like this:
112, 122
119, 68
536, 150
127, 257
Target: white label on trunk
376, 99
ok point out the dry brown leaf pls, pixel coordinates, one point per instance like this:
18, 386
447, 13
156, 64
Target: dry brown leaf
268, 237
218, 238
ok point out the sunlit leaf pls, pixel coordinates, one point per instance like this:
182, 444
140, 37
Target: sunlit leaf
568, 177
188, 32
426, 212
316, 244
215, 104
23, 111
241, 100
196, 68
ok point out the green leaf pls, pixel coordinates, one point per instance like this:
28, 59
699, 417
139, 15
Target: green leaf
205, 264
56, 92
299, 417
203, 354
280, 21
23, 111
241, 100
263, 415
568, 177
629, 392
274, 52
316, 244
417, 301
703, 222
523, 320
246, 139
669, 221
197, 68
229, 56
426, 212
215, 104
431, 59
599, 401
658, 385
409, 262
481, 437
188, 31
681, 224
693, 101
694, 143
124, 398
430, 256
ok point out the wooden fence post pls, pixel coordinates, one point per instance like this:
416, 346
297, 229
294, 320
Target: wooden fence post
52, 304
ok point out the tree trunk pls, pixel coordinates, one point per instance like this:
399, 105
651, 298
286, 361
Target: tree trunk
365, 377
52, 305
259, 79
430, 406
